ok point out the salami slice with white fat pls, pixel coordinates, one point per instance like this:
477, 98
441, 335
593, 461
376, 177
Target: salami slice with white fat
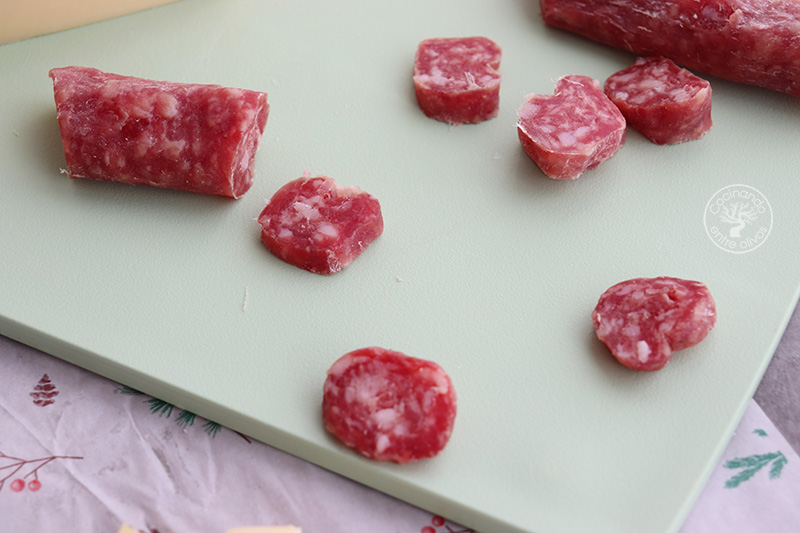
190, 137
389, 406
315, 224
643, 321
571, 131
747, 41
456, 79
665, 103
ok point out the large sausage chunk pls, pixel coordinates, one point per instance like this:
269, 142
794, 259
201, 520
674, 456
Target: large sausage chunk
456, 79
665, 103
317, 225
389, 406
643, 320
191, 137
748, 41
571, 131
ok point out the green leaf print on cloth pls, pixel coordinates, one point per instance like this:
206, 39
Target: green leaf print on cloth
165, 409
751, 464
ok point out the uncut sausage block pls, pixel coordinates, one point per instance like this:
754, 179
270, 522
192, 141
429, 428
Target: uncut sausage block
190, 137
456, 79
749, 41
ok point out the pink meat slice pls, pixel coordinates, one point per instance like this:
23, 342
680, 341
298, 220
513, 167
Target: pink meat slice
664, 102
643, 321
190, 137
317, 225
389, 406
456, 79
748, 41
571, 131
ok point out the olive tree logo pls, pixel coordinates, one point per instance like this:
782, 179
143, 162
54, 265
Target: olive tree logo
738, 218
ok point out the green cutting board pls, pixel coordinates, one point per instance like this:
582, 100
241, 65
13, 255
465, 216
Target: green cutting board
485, 266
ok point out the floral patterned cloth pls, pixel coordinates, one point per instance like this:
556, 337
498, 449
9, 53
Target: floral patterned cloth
80, 453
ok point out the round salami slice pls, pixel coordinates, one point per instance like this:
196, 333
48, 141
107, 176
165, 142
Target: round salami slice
665, 103
571, 131
643, 320
317, 225
456, 79
389, 406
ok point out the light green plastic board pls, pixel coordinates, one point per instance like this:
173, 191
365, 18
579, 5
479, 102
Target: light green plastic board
485, 266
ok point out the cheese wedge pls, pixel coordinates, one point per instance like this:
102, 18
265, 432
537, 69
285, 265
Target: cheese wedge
22, 19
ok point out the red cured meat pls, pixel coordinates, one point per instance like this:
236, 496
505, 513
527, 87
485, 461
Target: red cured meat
196, 138
319, 226
664, 102
643, 320
748, 41
389, 406
456, 79
571, 131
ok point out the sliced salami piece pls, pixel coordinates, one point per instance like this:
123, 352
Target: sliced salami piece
456, 79
571, 131
317, 225
748, 41
190, 137
665, 103
389, 406
643, 320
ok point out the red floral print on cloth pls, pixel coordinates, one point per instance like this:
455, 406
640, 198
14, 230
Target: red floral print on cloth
20, 469
440, 522
44, 392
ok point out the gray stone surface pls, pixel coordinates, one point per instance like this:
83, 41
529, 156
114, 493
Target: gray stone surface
778, 394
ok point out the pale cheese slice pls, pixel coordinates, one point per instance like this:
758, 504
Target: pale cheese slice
22, 19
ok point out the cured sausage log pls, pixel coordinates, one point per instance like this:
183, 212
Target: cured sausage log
456, 79
665, 103
643, 320
317, 225
190, 137
571, 131
749, 41
389, 406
